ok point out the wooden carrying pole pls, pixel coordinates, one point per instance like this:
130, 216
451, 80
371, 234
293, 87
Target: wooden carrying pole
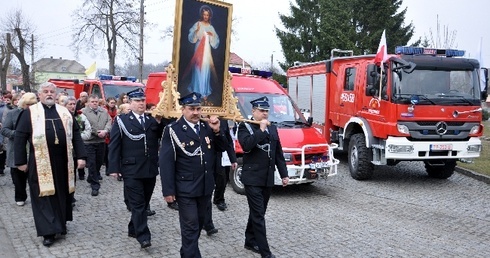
169, 106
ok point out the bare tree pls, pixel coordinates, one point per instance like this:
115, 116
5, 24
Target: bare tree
19, 29
5, 57
105, 23
441, 38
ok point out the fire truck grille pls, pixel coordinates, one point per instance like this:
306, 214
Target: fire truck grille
439, 130
308, 157
434, 123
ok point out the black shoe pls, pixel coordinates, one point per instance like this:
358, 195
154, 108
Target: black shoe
221, 206
173, 205
150, 212
133, 235
95, 192
48, 240
145, 244
252, 248
212, 231
269, 256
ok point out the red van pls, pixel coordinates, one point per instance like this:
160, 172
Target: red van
307, 153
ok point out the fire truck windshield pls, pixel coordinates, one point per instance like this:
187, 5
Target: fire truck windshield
282, 110
437, 87
111, 90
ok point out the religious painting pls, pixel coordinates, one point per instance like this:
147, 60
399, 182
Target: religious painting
201, 50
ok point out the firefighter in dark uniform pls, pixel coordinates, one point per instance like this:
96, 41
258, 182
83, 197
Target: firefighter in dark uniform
187, 162
262, 153
133, 152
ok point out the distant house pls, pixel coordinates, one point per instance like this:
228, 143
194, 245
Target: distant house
236, 61
57, 68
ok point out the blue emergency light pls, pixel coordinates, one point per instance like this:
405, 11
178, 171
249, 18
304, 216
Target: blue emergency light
107, 77
428, 51
260, 73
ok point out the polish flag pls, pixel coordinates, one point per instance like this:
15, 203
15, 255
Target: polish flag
382, 54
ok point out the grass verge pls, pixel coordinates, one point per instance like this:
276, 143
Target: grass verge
481, 165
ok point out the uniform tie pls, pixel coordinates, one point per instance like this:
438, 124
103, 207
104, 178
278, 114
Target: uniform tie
142, 121
196, 126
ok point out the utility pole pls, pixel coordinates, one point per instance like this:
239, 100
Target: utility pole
142, 25
33, 81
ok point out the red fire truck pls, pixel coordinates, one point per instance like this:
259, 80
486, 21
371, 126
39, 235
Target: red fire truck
423, 105
307, 153
105, 86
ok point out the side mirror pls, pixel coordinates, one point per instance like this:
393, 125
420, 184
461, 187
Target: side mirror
309, 122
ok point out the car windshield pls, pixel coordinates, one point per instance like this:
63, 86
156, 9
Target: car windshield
69, 92
437, 87
111, 90
281, 110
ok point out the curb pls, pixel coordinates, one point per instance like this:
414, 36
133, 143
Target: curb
472, 174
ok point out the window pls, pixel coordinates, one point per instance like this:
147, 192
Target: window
350, 78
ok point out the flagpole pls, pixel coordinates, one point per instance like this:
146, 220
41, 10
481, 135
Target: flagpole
381, 80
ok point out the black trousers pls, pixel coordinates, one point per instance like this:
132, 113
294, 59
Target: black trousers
19, 178
139, 192
95, 158
220, 181
3, 159
192, 213
255, 233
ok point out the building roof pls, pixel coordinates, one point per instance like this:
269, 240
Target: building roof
235, 60
55, 65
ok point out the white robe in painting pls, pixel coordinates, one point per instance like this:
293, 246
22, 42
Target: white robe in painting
202, 65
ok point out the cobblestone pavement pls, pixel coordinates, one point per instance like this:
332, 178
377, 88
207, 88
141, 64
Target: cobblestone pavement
399, 213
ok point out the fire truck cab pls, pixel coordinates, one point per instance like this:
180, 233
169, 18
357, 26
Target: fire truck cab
307, 153
103, 87
421, 105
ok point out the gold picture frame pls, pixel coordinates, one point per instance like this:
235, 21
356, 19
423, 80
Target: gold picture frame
201, 50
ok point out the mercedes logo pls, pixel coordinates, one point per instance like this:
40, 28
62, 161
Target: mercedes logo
441, 128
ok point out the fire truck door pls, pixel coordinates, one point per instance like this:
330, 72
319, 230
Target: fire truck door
347, 82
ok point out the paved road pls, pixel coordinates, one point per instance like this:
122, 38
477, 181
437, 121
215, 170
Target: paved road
401, 212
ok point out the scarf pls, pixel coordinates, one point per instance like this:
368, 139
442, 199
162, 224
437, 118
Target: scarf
41, 151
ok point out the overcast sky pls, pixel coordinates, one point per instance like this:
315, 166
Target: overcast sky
255, 40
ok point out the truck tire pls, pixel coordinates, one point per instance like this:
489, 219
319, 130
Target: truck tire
441, 171
235, 181
359, 158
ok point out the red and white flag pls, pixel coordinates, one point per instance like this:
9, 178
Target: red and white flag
382, 54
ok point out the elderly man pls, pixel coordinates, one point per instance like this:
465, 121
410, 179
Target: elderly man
187, 162
101, 123
52, 134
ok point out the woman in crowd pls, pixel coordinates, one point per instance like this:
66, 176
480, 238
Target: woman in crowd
19, 178
123, 99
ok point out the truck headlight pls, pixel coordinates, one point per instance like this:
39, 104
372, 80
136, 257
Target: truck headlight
474, 148
403, 129
400, 148
475, 129
288, 157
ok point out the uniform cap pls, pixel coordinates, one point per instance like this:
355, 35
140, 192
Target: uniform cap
261, 103
192, 99
137, 94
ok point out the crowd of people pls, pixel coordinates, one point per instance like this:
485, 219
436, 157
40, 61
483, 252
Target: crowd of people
51, 140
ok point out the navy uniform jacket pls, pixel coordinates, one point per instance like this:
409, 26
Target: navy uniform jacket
127, 156
259, 165
183, 173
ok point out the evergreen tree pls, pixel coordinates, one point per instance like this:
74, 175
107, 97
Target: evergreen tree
315, 27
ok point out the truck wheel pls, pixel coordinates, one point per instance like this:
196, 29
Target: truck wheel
359, 158
235, 181
443, 170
